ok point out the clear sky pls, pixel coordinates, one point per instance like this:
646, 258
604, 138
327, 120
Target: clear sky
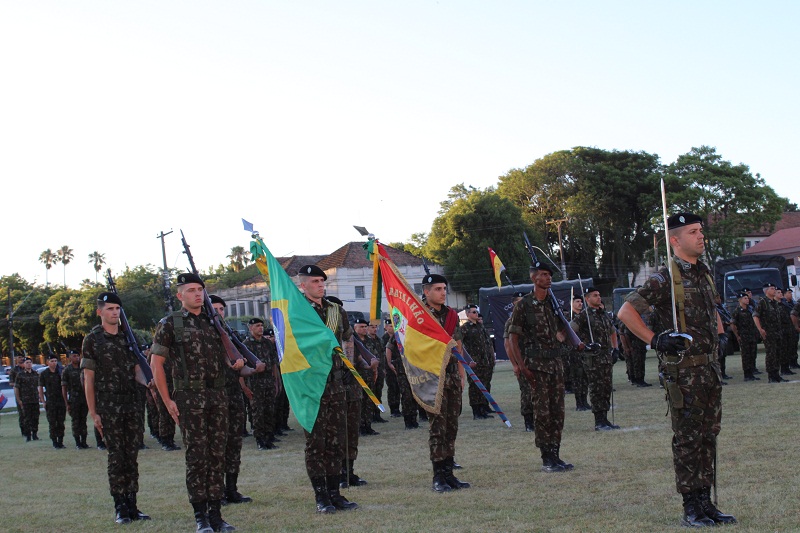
121, 119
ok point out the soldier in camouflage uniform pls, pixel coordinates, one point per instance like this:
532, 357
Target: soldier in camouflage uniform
377, 347
795, 338
75, 398
26, 383
535, 337
579, 378
392, 384
636, 353
236, 419
111, 372
478, 345
525, 390
53, 401
788, 346
151, 407
596, 330
199, 405
367, 365
166, 425
443, 428
281, 401
396, 367
263, 385
324, 451
691, 368
19, 364
744, 328
768, 323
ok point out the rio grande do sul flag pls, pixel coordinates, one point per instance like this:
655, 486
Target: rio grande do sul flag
497, 266
424, 345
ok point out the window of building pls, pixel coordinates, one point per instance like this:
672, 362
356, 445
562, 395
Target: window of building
746, 245
241, 309
251, 308
233, 310
359, 292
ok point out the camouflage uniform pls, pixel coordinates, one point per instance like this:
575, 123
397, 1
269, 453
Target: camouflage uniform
636, 358
166, 425
696, 410
767, 313
375, 346
236, 421
479, 346
199, 380
78, 410
392, 384
409, 404
525, 390
598, 366
27, 383
12, 376
536, 324
55, 407
353, 394
748, 339
796, 313
114, 367
281, 406
788, 346
263, 386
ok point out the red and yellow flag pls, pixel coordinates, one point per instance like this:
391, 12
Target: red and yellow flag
497, 266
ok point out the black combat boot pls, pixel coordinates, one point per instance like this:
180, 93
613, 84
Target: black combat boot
411, 422
609, 424
55, 443
232, 494
711, 511
84, 445
133, 508
423, 414
530, 425
339, 502
352, 479
27, 437
121, 515
439, 482
322, 495
550, 461
168, 444
450, 478
344, 480
201, 517
487, 413
61, 442
564, 464
775, 378
693, 515
376, 418
601, 422
455, 465
35, 435
77, 442
395, 413
215, 517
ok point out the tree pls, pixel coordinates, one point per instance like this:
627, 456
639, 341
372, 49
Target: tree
49, 259
466, 228
69, 314
27, 301
415, 246
99, 260
239, 258
65, 255
730, 199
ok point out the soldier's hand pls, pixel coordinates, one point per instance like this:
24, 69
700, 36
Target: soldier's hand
238, 364
593, 347
614, 356
261, 366
172, 408
248, 393
664, 343
374, 364
473, 364
98, 423
763, 333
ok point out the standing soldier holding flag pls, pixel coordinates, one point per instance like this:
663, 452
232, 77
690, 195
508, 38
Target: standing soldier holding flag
682, 294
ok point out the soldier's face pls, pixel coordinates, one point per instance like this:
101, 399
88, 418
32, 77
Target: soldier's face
542, 279
593, 299
436, 293
472, 315
314, 287
109, 314
27, 365
372, 330
220, 309
577, 306
689, 240
75, 358
52, 364
360, 329
257, 330
778, 294
191, 296
769, 292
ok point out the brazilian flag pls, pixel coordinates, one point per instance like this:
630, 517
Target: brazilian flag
305, 344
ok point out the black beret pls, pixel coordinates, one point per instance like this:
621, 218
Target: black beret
255, 320
188, 277
741, 295
577, 297
28, 359
109, 298
683, 219
745, 289
72, 352
591, 290
434, 278
770, 284
388, 321
519, 294
311, 270
52, 356
542, 266
471, 306
217, 300
361, 321
270, 332
335, 300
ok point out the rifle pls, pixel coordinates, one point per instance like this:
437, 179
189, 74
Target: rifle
128, 332
233, 346
573, 337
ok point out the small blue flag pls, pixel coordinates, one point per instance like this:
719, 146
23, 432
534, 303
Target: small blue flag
247, 226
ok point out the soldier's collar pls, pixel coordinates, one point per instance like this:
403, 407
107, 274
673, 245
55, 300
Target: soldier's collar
685, 265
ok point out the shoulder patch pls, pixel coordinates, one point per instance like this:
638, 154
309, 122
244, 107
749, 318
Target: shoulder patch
658, 277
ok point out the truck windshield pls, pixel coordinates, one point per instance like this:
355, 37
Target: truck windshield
752, 279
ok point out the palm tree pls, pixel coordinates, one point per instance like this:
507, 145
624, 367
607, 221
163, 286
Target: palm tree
238, 258
99, 260
65, 255
49, 259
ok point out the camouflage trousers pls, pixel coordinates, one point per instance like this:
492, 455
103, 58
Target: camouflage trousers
56, 415
749, 346
580, 381
772, 348
599, 371
695, 427
121, 434
367, 407
78, 412
236, 422
204, 428
407, 400
281, 409
354, 403
548, 408
377, 388
525, 396
443, 428
789, 345
392, 391
476, 397
325, 444
263, 408
152, 414
30, 418
635, 363
166, 425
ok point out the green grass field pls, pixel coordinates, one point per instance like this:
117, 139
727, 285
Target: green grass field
623, 480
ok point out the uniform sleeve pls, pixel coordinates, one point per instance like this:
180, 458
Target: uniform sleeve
64, 380
517, 319
163, 338
42, 380
348, 331
88, 357
759, 311
655, 292
796, 310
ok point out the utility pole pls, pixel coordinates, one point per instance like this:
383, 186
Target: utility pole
10, 329
558, 223
165, 273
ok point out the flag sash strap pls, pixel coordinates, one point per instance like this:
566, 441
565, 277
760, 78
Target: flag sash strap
360, 380
481, 387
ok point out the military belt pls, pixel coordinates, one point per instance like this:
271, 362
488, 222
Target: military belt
688, 361
551, 353
200, 384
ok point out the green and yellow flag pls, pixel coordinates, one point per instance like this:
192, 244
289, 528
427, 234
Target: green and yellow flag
305, 344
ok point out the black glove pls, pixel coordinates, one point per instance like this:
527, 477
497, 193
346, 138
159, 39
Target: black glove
614, 356
593, 348
665, 344
723, 342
